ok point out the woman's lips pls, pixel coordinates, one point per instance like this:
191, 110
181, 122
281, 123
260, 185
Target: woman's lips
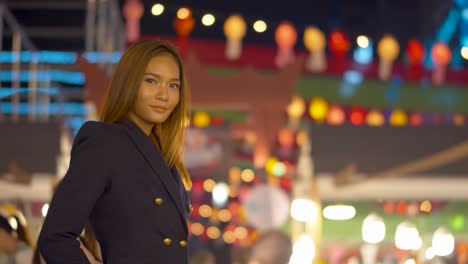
159, 109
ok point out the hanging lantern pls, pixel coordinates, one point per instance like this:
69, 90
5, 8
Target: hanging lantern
415, 119
295, 110
285, 37
415, 52
339, 43
357, 116
335, 116
398, 118
234, 30
184, 22
441, 56
133, 11
388, 49
183, 25
270, 164
286, 137
201, 119
375, 118
318, 109
315, 42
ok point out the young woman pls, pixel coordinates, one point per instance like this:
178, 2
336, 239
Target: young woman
126, 176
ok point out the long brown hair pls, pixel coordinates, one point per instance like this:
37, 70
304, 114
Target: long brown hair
122, 93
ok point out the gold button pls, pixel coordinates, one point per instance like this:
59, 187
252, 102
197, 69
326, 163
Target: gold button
158, 201
167, 241
183, 243
190, 209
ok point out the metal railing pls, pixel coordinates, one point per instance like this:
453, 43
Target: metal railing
104, 35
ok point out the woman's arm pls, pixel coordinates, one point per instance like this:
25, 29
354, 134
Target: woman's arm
85, 181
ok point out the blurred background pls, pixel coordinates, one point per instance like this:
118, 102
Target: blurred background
322, 131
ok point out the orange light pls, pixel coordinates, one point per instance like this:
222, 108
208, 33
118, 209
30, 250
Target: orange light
336, 116
183, 13
285, 35
441, 54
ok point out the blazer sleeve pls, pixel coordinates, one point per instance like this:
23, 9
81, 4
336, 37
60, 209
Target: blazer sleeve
84, 182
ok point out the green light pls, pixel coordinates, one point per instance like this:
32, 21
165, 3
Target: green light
458, 222
279, 169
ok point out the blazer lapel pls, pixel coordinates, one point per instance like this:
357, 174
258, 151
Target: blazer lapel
156, 162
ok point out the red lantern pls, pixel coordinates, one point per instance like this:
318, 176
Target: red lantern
183, 27
339, 43
415, 119
217, 120
357, 116
401, 208
415, 52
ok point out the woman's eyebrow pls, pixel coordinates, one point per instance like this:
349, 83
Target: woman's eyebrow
159, 76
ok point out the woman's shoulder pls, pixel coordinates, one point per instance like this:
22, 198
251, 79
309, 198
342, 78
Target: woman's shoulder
101, 133
98, 128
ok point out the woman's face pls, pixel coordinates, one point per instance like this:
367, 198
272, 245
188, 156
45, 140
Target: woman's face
158, 94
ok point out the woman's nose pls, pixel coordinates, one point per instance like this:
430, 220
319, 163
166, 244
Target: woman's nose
162, 93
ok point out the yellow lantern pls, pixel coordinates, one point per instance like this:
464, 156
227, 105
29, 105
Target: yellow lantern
388, 49
318, 109
201, 119
296, 108
315, 42
270, 164
314, 39
234, 30
375, 118
398, 118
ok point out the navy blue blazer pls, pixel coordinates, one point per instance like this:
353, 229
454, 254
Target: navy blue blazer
119, 183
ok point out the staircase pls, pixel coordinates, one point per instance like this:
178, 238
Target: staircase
41, 40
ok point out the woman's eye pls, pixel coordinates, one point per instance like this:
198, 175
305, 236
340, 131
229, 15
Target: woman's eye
151, 81
175, 85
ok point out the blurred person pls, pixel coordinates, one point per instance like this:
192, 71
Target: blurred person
126, 176
15, 240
